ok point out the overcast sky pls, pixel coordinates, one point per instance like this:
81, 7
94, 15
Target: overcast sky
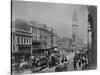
58, 16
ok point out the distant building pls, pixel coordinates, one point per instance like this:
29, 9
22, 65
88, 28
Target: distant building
55, 38
63, 43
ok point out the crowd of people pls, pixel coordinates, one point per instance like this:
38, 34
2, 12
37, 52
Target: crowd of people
80, 61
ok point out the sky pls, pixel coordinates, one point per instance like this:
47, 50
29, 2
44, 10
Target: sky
56, 15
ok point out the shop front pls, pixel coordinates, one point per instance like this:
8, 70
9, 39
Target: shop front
24, 52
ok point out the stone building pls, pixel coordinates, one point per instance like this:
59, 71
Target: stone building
31, 38
21, 37
42, 35
43, 38
35, 35
63, 44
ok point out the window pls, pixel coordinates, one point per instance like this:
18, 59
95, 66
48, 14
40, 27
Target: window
37, 31
30, 40
24, 40
36, 37
27, 40
33, 37
18, 40
21, 40
58, 43
33, 30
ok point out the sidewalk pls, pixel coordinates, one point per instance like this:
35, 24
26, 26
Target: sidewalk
70, 61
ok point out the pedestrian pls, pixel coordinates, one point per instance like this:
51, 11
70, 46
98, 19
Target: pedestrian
80, 62
86, 63
33, 62
75, 66
83, 63
62, 60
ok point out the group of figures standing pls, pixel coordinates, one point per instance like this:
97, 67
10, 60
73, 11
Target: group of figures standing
80, 61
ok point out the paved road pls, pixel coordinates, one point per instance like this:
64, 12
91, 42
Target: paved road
70, 61
70, 65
